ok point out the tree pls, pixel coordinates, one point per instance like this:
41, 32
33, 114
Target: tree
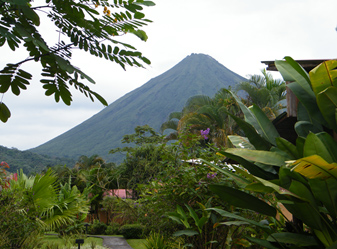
300, 176
264, 91
202, 112
88, 25
31, 205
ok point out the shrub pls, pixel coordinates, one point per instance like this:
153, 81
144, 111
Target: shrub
112, 229
97, 227
156, 241
131, 231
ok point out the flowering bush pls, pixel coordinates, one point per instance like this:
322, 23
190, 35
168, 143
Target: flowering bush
204, 133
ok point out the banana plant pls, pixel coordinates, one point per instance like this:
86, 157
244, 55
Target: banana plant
303, 176
198, 225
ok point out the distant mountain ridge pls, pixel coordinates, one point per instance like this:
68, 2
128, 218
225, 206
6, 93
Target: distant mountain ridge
149, 104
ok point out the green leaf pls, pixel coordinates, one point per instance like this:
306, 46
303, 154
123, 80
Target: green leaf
326, 192
306, 211
241, 142
193, 214
315, 167
308, 101
140, 34
314, 146
259, 187
251, 167
303, 128
100, 98
147, 3
324, 76
263, 243
260, 156
278, 189
234, 223
237, 217
116, 50
185, 232
254, 138
327, 103
5, 114
242, 181
329, 143
292, 71
287, 147
31, 15
139, 15
243, 200
268, 130
296, 239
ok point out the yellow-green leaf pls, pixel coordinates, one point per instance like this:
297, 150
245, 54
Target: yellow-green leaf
323, 76
314, 167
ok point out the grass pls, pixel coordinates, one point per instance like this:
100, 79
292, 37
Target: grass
69, 242
136, 243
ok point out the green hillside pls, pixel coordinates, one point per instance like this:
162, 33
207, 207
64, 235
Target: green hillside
149, 104
30, 162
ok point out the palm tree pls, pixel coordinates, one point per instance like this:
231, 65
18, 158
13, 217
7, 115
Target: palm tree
265, 91
55, 205
85, 162
202, 112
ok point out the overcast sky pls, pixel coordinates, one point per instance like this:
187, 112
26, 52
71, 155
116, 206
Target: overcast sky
239, 34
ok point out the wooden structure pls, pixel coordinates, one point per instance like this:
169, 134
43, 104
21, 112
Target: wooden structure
292, 100
285, 124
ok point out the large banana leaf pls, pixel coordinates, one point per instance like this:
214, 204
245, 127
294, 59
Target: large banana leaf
314, 167
326, 192
268, 130
241, 142
241, 199
287, 147
314, 146
323, 76
308, 100
296, 239
227, 214
300, 141
253, 116
307, 211
303, 128
251, 167
329, 143
278, 189
263, 243
260, 156
292, 71
242, 181
327, 103
254, 138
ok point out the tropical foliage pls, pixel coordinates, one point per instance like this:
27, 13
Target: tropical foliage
31, 205
91, 26
202, 112
299, 177
266, 92
29, 162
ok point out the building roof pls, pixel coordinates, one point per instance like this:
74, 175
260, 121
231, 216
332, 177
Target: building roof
121, 193
308, 65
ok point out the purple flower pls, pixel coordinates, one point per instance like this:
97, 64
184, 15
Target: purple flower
211, 176
204, 133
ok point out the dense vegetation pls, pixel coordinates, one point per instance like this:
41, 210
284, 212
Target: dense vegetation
30, 162
222, 178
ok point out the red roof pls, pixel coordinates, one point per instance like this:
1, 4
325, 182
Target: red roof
121, 193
